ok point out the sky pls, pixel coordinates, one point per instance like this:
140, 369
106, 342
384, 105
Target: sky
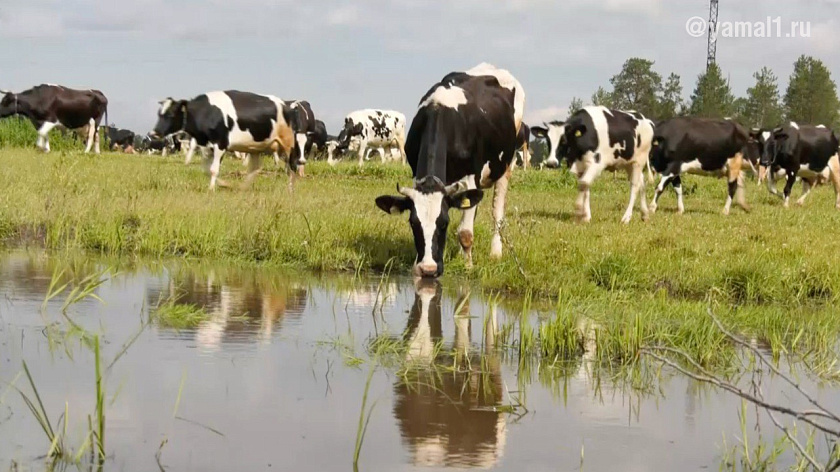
348, 55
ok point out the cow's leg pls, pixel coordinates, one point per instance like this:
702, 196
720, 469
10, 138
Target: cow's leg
191, 151
677, 184
791, 178
582, 211
43, 135
663, 184
637, 183
526, 157
401, 143
771, 182
465, 230
499, 194
734, 183
301, 145
91, 131
807, 185
254, 167
301, 172
96, 139
215, 167
382, 154
762, 173
362, 150
834, 176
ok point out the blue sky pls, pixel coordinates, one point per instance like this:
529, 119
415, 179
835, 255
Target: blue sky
343, 56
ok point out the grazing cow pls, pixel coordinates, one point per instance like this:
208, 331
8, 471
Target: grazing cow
119, 138
48, 106
462, 138
700, 146
810, 152
375, 128
317, 138
523, 138
231, 121
595, 139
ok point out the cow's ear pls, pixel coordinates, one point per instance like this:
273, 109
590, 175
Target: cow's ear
393, 205
182, 105
577, 131
466, 199
539, 131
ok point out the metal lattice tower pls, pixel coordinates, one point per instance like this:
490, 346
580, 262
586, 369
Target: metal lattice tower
713, 23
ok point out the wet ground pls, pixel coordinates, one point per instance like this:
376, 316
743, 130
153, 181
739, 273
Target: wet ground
274, 379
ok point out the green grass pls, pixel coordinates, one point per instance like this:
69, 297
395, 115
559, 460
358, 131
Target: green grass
179, 316
770, 273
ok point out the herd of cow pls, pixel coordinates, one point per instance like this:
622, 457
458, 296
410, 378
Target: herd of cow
463, 138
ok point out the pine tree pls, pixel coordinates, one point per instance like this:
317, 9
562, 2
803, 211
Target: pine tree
762, 107
712, 98
811, 96
637, 87
671, 103
576, 105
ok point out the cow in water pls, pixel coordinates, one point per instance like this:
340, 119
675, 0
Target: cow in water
48, 106
462, 139
379, 128
689, 145
231, 121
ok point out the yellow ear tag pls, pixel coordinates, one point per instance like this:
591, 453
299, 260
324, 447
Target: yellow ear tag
656, 142
465, 203
577, 133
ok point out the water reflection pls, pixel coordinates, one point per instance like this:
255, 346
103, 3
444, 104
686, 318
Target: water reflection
243, 308
448, 415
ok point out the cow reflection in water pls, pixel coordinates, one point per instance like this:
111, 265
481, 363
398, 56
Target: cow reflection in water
242, 309
448, 418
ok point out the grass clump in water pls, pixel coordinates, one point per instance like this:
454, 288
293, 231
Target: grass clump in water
179, 316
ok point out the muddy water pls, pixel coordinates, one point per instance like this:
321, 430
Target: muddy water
273, 380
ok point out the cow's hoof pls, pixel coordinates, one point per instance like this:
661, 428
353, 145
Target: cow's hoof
645, 217
652, 208
626, 219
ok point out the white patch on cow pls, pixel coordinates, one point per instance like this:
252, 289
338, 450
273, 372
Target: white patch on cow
794, 125
43, 135
806, 172
164, 107
821, 126
450, 97
239, 139
427, 206
765, 135
301, 141
555, 134
508, 81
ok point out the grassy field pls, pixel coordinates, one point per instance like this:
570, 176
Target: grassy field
772, 272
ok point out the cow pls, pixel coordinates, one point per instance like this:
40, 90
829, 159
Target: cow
48, 106
810, 152
523, 138
375, 128
461, 140
701, 146
119, 138
231, 121
595, 139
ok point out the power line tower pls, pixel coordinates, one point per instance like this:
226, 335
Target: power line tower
713, 28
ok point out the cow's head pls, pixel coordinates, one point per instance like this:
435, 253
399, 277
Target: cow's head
785, 139
8, 103
766, 144
553, 133
429, 202
171, 116
347, 133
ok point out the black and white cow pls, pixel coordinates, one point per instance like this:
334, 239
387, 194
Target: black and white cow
378, 128
462, 138
231, 121
810, 152
523, 139
700, 146
119, 138
48, 106
595, 139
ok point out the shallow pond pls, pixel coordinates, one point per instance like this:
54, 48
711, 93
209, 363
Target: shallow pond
274, 379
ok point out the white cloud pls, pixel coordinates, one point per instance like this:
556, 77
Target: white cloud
344, 15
